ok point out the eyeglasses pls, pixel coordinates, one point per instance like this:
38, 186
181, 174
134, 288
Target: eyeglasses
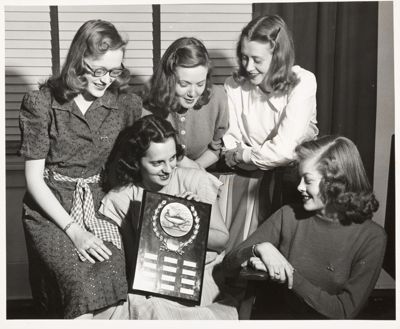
101, 71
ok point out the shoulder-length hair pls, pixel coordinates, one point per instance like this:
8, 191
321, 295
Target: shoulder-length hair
93, 39
122, 167
271, 30
160, 97
344, 186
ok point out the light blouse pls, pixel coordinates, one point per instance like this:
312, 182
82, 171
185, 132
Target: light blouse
270, 127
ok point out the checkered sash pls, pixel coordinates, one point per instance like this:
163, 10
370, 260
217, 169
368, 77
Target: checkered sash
82, 211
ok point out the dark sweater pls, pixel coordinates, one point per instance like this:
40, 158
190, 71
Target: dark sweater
336, 266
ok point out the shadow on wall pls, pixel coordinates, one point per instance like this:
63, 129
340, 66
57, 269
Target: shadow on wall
137, 83
17, 261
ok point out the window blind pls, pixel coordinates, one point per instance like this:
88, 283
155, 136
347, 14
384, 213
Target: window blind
217, 25
27, 58
134, 22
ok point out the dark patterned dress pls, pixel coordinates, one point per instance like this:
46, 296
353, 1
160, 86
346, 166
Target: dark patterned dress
77, 146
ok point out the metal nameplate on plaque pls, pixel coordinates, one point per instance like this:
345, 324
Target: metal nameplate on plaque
172, 245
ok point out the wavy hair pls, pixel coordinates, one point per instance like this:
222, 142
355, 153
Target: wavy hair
93, 39
160, 97
344, 186
122, 167
271, 30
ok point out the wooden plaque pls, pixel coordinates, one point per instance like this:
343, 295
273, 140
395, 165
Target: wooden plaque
171, 247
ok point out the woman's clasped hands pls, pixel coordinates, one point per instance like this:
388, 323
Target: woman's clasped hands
89, 245
268, 258
234, 156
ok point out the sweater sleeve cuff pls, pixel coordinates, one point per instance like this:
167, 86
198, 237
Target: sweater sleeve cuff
238, 260
229, 142
246, 155
246, 254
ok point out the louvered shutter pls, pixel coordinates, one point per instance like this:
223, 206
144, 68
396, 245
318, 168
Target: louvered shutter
133, 22
217, 25
27, 61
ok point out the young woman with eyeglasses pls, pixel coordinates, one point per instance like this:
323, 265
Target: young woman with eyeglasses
68, 128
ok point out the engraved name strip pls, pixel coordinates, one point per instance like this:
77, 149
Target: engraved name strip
188, 282
167, 287
150, 256
150, 265
168, 278
169, 269
189, 264
187, 291
170, 260
187, 272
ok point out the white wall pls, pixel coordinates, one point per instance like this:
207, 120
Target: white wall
384, 106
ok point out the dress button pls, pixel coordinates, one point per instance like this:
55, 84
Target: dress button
183, 119
183, 132
183, 146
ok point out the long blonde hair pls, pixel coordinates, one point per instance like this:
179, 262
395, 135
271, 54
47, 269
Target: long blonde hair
344, 185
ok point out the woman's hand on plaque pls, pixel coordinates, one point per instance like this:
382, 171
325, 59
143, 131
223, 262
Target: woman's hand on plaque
189, 196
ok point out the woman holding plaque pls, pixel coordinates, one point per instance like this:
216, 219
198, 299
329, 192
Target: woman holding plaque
145, 157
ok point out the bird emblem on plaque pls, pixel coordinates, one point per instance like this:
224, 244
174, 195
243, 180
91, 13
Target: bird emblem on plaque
172, 247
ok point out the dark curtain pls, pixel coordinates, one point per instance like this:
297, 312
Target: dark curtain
337, 41
389, 263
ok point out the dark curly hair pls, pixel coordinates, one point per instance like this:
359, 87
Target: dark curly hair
271, 30
93, 39
160, 97
122, 167
344, 186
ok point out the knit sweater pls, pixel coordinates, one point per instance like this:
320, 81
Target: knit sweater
336, 266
